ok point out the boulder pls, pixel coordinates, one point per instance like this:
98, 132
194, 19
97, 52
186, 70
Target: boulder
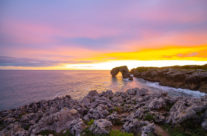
101, 127
148, 129
76, 127
57, 121
134, 126
185, 109
204, 124
96, 113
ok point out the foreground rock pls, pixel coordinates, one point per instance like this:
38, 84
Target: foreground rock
189, 77
124, 71
136, 111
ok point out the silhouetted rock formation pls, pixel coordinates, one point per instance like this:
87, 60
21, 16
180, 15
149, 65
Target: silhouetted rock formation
189, 77
124, 71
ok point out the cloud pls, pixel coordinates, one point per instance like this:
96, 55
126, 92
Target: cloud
83, 30
26, 62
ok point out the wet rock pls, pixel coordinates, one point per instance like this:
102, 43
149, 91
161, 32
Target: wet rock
142, 92
108, 94
101, 126
132, 91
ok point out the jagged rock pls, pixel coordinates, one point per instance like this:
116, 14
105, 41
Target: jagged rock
148, 130
134, 126
129, 109
204, 124
157, 104
108, 94
15, 130
185, 109
76, 127
188, 77
57, 121
114, 118
101, 126
140, 112
124, 71
96, 113
132, 91
142, 92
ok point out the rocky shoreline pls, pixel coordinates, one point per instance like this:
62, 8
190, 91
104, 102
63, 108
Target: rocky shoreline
134, 112
186, 77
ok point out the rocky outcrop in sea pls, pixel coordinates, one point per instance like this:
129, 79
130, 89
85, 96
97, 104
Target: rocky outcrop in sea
124, 71
133, 112
186, 77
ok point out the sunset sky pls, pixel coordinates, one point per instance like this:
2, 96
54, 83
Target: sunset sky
101, 34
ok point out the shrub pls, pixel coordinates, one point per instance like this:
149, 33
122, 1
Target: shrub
149, 117
89, 123
119, 133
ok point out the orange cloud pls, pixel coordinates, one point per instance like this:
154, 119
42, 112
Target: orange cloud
164, 53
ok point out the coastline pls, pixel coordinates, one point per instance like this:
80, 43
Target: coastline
136, 111
186, 77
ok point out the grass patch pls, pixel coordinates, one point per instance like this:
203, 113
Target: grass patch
87, 132
117, 122
118, 109
148, 117
2, 126
47, 132
119, 133
115, 132
89, 123
180, 131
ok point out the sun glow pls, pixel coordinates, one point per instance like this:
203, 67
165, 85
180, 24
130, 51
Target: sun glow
131, 64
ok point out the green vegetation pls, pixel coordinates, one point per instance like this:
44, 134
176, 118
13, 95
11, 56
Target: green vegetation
186, 67
118, 109
119, 133
117, 122
168, 106
192, 67
148, 117
1, 125
47, 132
180, 131
89, 123
87, 132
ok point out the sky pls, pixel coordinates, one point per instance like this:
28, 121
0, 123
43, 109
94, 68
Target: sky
102, 34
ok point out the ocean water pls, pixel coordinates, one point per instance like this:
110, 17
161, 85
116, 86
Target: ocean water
20, 87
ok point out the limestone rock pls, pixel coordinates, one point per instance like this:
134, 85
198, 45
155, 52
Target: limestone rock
57, 121
124, 71
101, 126
76, 127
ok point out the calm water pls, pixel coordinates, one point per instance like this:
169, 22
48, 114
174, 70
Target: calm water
22, 87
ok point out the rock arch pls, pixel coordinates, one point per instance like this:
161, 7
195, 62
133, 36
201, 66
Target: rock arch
124, 71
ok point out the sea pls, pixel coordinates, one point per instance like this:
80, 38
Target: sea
20, 87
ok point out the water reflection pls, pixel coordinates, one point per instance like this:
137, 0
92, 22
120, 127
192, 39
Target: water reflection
18, 88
